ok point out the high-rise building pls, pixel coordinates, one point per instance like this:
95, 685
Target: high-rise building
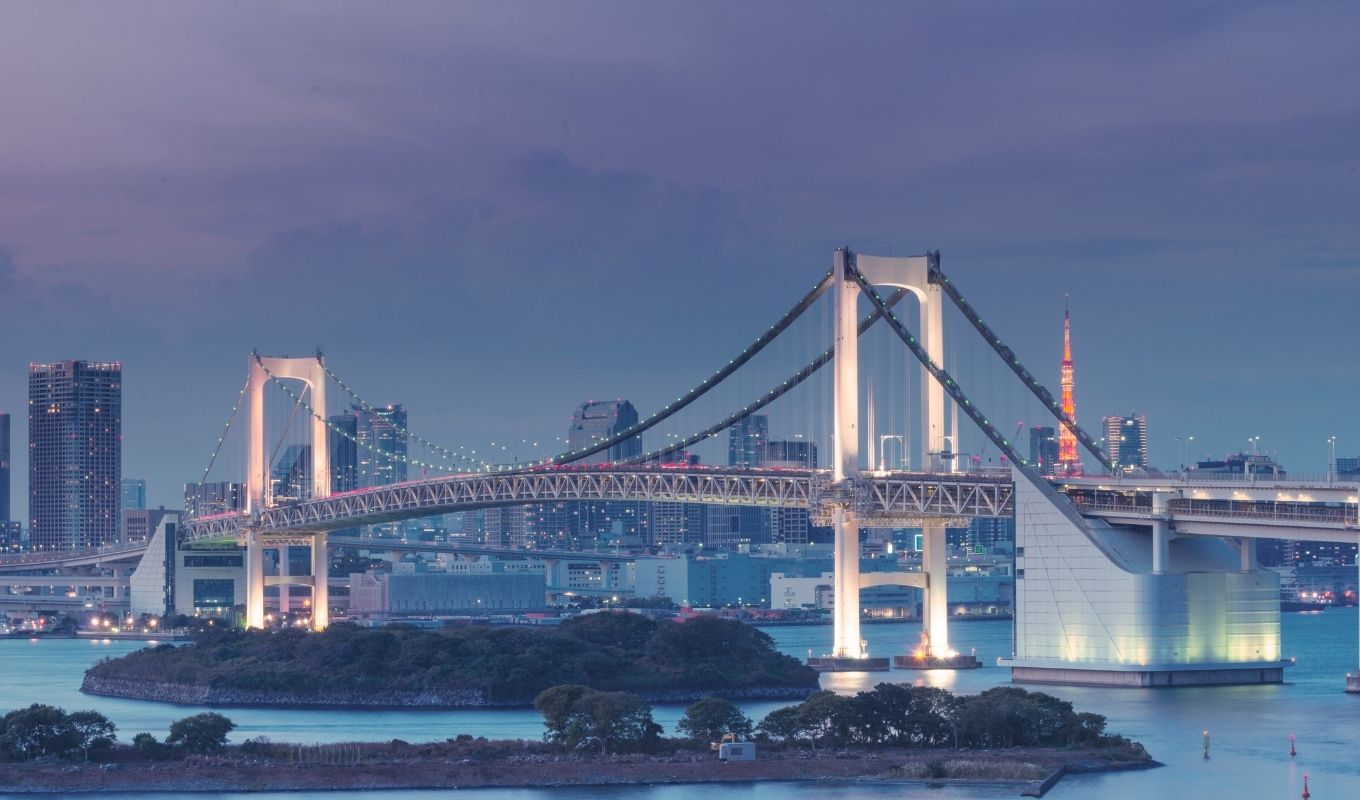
1126, 441
75, 444
206, 499
1069, 463
1043, 449
134, 494
596, 421
746, 441
291, 474
343, 431
381, 449
4, 467
791, 454
790, 525
11, 536
371, 450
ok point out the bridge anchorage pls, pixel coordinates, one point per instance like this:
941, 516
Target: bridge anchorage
1161, 589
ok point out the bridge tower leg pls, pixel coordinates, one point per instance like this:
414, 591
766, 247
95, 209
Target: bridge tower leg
321, 575
934, 561
284, 593
312, 372
254, 581
846, 642
935, 557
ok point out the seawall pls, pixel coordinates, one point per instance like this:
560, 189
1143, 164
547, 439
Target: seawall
195, 695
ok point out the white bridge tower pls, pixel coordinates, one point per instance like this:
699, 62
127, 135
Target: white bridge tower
311, 372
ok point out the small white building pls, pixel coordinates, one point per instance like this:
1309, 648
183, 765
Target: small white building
737, 751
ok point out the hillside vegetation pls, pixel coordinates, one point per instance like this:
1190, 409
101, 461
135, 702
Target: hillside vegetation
509, 665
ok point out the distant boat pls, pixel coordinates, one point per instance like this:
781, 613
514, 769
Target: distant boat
1302, 605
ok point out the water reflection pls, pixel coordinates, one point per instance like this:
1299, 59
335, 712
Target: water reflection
1250, 725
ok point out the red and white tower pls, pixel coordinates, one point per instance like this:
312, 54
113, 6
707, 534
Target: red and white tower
1069, 463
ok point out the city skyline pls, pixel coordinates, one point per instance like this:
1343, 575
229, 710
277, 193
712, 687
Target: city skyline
201, 242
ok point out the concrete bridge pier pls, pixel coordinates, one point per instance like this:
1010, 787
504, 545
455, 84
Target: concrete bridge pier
321, 575
935, 563
254, 580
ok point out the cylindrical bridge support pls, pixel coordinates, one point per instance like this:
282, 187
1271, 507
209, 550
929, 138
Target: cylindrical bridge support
845, 464
1247, 547
935, 562
284, 594
1161, 533
847, 637
254, 581
321, 576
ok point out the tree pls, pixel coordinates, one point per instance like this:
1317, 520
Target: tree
37, 731
711, 717
147, 746
94, 731
556, 704
883, 715
616, 721
577, 716
780, 725
826, 717
1086, 728
934, 717
201, 733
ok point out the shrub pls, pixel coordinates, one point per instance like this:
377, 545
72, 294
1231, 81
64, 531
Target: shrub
577, 717
709, 719
149, 747
43, 730
201, 734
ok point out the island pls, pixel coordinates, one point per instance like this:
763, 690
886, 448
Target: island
470, 666
894, 733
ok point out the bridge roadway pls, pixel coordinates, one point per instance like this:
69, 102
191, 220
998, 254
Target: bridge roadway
398, 545
889, 499
1254, 507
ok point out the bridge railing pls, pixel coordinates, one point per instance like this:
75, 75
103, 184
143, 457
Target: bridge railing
69, 553
1285, 511
1191, 477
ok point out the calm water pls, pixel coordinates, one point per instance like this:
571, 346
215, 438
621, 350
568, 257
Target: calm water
1249, 725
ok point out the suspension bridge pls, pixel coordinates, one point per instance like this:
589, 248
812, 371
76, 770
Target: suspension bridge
1118, 582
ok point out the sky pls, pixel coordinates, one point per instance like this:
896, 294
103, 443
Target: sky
492, 211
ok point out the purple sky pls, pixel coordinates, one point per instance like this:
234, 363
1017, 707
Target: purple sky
492, 211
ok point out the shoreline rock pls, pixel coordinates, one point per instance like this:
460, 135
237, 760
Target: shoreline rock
222, 696
528, 765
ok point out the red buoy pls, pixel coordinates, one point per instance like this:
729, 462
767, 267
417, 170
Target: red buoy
1306, 795
1291, 745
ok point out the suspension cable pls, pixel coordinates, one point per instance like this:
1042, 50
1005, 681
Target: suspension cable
707, 384
950, 386
332, 427
286, 427
230, 419
443, 451
937, 277
769, 397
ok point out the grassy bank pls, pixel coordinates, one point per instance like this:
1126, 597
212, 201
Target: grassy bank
462, 666
468, 763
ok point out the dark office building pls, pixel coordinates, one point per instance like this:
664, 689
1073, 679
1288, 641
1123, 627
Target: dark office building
291, 474
1126, 440
746, 441
206, 499
75, 436
595, 422
793, 454
1043, 448
4, 467
381, 452
343, 433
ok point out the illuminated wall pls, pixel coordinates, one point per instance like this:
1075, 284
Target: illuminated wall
1088, 598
